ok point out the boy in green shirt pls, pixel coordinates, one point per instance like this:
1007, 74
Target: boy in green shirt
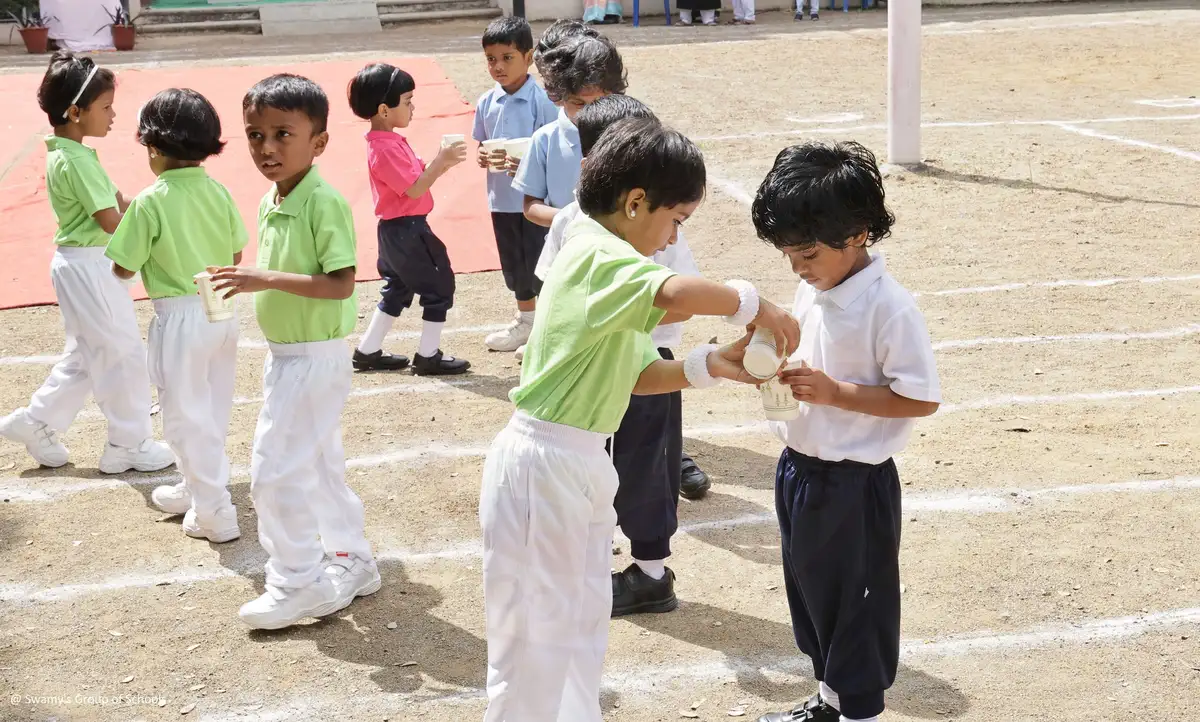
547, 501
305, 304
175, 229
104, 354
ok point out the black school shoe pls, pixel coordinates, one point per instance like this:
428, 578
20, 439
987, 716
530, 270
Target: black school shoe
636, 592
439, 365
693, 482
814, 710
378, 361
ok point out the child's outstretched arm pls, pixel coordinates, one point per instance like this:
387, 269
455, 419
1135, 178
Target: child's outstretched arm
336, 285
664, 377
448, 157
814, 386
691, 296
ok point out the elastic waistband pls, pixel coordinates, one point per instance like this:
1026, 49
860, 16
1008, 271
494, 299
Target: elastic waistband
177, 304
559, 436
404, 221
75, 253
813, 462
333, 347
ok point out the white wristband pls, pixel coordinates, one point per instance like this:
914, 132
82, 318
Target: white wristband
695, 367
747, 303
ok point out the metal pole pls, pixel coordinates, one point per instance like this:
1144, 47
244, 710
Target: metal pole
519, 8
904, 82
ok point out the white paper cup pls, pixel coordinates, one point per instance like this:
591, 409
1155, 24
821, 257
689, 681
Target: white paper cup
217, 306
453, 139
777, 400
762, 360
517, 147
495, 151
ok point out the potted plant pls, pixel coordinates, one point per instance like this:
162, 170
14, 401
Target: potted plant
34, 28
124, 32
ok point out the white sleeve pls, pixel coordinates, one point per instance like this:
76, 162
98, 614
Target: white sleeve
554, 239
678, 257
905, 354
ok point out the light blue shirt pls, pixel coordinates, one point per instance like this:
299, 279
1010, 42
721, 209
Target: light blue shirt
550, 170
500, 115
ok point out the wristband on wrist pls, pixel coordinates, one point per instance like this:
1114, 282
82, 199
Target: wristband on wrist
747, 303
695, 367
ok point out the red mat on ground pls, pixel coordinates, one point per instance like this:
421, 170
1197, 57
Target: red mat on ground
460, 216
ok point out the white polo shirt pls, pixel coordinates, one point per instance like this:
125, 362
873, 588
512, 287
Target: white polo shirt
867, 330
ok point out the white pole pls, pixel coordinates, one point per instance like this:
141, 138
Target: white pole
904, 82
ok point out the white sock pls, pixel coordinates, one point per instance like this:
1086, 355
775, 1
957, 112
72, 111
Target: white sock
431, 338
867, 719
830, 697
372, 340
656, 569
527, 317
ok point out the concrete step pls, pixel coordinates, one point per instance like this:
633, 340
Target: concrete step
246, 27
394, 7
174, 16
480, 13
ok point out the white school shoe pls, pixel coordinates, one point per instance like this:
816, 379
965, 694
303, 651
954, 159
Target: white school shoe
353, 577
218, 528
39, 440
520, 354
172, 498
150, 455
278, 608
512, 337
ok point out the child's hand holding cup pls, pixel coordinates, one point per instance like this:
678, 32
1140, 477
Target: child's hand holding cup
763, 361
453, 150
495, 154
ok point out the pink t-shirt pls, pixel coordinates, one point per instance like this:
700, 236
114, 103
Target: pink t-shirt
394, 167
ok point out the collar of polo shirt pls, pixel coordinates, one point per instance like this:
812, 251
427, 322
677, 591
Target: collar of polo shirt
295, 200
848, 291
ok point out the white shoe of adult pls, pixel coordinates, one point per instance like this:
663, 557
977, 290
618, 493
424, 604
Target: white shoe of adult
511, 337
150, 455
39, 440
218, 528
172, 498
353, 577
278, 608
520, 354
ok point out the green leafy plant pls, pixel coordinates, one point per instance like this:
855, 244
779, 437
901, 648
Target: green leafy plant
120, 17
27, 18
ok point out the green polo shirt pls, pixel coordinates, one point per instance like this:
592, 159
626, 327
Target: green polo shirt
176, 228
311, 231
591, 336
78, 188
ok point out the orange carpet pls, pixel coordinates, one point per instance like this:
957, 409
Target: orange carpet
460, 216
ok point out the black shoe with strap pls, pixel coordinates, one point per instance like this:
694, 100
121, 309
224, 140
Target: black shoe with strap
693, 482
636, 592
813, 710
378, 361
439, 365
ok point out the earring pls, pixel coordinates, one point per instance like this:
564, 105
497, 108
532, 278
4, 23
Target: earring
633, 214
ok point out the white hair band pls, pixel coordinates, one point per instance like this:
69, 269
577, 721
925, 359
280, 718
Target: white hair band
87, 81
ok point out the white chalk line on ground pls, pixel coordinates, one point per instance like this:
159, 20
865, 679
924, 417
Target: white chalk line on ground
980, 501
1180, 152
1163, 334
651, 679
1171, 102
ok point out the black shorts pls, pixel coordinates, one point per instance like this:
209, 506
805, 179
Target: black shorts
413, 261
519, 242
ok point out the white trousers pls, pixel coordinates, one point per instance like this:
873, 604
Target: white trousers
104, 355
194, 365
298, 469
743, 9
708, 17
547, 514
814, 6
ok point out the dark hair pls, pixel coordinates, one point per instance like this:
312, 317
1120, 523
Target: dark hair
375, 85
582, 62
558, 33
289, 92
182, 124
596, 117
64, 79
512, 30
641, 153
822, 193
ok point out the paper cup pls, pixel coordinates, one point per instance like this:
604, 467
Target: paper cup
495, 152
517, 148
453, 139
777, 400
217, 306
762, 360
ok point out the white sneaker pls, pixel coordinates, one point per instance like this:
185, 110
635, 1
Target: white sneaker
278, 608
520, 354
510, 338
172, 498
352, 577
150, 455
219, 528
40, 440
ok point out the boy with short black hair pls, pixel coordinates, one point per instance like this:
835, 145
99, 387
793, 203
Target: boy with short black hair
305, 304
515, 108
867, 372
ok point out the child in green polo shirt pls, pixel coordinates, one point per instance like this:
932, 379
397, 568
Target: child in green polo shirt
305, 304
104, 355
546, 506
175, 229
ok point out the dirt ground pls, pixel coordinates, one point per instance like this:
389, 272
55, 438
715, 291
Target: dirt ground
1052, 508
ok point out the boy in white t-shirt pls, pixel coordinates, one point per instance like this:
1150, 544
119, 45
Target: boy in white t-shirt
867, 372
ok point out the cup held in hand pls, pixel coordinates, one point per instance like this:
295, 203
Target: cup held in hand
453, 139
218, 306
762, 361
495, 154
516, 148
778, 402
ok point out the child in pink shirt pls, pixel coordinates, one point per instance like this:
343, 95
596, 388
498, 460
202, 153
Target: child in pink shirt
412, 260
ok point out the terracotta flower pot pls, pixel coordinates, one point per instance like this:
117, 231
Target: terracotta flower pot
36, 39
124, 36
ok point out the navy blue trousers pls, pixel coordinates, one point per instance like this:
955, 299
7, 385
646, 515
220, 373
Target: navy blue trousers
840, 528
413, 261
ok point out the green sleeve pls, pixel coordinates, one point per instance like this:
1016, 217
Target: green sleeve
333, 232
649, 351
237, 227
130, 245
621, 291
91, 185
